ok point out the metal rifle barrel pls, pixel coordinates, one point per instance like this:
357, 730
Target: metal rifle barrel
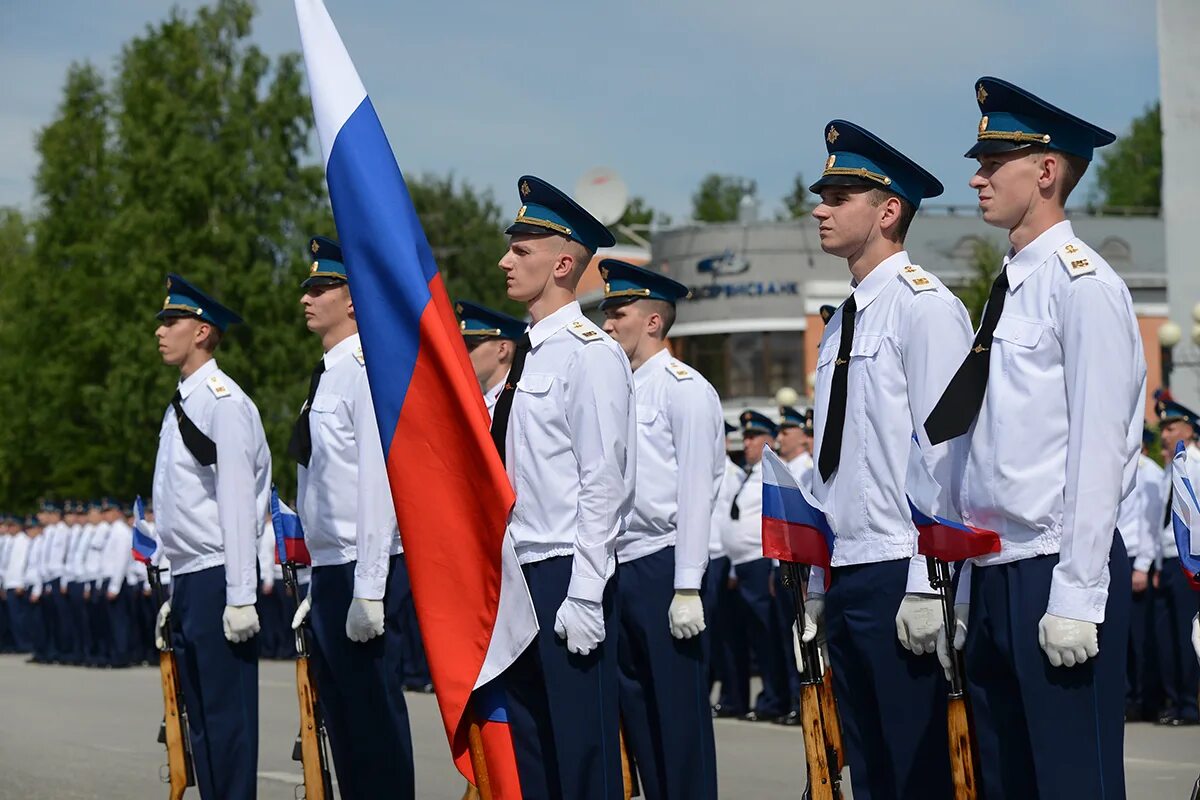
808, 650
939, 579
289, 580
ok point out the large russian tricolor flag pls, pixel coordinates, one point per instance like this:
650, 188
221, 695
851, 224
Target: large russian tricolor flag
1185, 515
450, 490
943, 535
794, 527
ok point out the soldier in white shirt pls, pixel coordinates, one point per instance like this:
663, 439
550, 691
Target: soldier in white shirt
355, 600
77, 588
53, 603
662, 557
1138, 519
491, 338
1174, 600
1050, 398
753, 621
93, 570
884, 358
212, 480
566, 420
14, 585
118, 555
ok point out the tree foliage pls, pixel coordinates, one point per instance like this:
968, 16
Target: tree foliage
1129, 174
798, 203
193, 157
718, 197
985, 266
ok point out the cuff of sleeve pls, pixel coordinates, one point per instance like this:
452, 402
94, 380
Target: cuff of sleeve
1077, 603
585, 588
1142, 564
918, 577
369, 588
688, 577
816, 582
241, 595
963, 594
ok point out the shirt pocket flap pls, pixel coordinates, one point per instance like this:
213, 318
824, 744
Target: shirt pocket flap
1021, 332
647, 414
866, 345
827, 353
325, 403
535, 384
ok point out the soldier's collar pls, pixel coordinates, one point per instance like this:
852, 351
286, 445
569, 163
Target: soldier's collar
345, 347
1023, 264
552, 324
197, 378
885, 272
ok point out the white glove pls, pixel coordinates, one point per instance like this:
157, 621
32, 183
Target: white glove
364, 620
960, 636
1067, 642
814, 616
686, 614
241, 622
160, 625
918, 621
581, 623
1196, 634
302, 611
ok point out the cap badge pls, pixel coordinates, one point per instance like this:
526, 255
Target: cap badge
525, 190
833, 135
315, 247
980, 93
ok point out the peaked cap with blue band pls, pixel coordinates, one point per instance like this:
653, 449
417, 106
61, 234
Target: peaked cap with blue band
327, 268
858, 157
1014, 118
480, 322
185, 300
546, 210
755, 423
790, 417
624, 283
1170, 411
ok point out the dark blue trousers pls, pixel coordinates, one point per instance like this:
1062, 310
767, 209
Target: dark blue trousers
664, 686
6, 640
716, 577
563, 708
1175, 606
81, 643
753, 623
275, 640
1045, 732
360, 692
892, 703
20, 609
120, 626
220, 687
414, 668
35, 627
50, 619
1143, 688
101, 636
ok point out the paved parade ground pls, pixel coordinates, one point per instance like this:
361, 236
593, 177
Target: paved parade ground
71, 734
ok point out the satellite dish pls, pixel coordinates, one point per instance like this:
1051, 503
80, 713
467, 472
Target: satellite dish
603, 193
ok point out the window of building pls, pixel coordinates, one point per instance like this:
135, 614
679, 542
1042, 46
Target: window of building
746, 365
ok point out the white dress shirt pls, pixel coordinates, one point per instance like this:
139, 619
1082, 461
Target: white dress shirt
212, 516
33, 565
571, 449
681, 461
118, 552
744, 543
1054, 448
493, 394
14, 570
81, 535
1164, 542
1140, 514
722, 524
58, 535
93, 564
910, 335
801, 468
344, 500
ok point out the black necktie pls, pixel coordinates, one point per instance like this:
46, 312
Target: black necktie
735, 513
835, 420
505, 400
960, 403
1170, 498
200, 446
300, 447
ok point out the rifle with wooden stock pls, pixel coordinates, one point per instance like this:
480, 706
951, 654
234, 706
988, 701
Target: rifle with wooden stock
311, 748
962, 741
818, 709
180, 773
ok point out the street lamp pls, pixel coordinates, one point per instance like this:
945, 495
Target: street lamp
1169, 334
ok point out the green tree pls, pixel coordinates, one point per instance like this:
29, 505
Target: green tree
798, 203
719, 196
1129, 174
19, 442
984, 267
639, 217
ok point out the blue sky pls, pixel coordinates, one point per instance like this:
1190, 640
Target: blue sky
662, 91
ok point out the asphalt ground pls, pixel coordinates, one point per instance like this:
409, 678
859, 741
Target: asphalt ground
69, 733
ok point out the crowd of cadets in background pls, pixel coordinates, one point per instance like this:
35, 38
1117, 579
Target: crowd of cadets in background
71, 593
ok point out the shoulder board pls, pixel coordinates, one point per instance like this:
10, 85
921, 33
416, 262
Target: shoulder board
917, 278
1075, 259
584, 329
358, 356
216, 385
677, 369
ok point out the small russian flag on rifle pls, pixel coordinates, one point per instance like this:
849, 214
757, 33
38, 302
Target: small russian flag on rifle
144, 546
289, 534
942, 537
1185, 514
794, 527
